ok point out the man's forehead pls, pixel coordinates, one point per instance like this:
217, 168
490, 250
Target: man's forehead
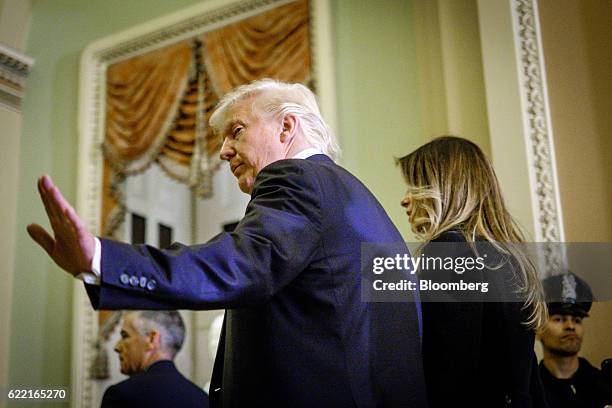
241, 109
565, 315
128, 324
236, 113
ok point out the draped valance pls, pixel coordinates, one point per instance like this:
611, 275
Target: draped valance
271, 45
158, 104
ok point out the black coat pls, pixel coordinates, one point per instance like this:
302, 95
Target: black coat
296, 332
477, 353
160, 386
586, 389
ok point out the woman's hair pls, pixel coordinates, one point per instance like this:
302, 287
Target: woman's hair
452, 186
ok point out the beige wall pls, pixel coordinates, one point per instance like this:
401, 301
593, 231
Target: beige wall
14, 23
14, 20
10, 122
451, 81
377, 85
576, 41
504, 108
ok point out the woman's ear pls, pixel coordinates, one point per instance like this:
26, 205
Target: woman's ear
289, 127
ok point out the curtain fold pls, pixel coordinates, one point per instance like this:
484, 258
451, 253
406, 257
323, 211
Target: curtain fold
142, 96
274, 44
158, 104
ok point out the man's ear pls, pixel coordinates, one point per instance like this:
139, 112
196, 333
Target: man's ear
153, 340
289, 127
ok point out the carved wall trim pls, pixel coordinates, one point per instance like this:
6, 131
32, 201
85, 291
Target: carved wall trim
540, 142
96, 58
14, 70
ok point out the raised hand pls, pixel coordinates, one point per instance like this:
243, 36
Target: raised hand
72, 246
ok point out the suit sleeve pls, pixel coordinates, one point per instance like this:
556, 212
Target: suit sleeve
273, 243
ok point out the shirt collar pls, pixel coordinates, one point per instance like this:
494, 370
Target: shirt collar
304, 154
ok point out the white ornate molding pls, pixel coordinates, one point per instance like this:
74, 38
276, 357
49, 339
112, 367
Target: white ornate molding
183, 24
535, 95
539, 133
14, 70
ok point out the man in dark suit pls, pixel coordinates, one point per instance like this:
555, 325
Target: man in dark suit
296, 332
149, 342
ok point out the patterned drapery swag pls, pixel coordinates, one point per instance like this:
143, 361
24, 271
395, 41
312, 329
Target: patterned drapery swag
158, 104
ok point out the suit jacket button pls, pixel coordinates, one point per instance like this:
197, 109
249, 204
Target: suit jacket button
124, 278
143, 282
152, 284
134, 281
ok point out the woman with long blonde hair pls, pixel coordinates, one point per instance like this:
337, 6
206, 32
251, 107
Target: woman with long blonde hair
477, 351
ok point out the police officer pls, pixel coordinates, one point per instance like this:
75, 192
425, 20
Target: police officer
569, 381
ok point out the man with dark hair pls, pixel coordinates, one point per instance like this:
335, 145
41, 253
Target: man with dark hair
569, 381
149, 342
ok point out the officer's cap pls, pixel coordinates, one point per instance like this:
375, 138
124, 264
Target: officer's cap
567, 294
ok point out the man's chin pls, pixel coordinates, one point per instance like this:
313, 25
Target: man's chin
125, 370
567, 351
246, 186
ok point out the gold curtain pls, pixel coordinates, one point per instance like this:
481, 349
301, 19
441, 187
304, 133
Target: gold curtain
275, 44
142, 95
158, 104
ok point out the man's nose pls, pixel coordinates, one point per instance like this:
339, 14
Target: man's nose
405, 202
569, 324
227, 150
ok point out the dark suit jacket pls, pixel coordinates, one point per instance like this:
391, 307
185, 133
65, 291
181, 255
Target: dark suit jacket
587, 388
478, 353
160, 386
296, 331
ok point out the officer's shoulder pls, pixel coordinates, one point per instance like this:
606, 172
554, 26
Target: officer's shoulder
586, 366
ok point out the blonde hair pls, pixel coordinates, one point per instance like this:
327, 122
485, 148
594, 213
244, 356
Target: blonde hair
276, 99
452, 186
